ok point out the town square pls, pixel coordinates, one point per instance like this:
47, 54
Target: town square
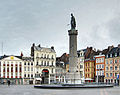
60, 47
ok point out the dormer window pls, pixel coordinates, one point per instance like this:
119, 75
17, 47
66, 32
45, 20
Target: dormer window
107, 56
110, 55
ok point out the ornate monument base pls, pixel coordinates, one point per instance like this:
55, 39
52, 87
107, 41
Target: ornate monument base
73, 78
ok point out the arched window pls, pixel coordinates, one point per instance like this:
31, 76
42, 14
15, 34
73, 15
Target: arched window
42, 56
48, 63
45, 56
52, 63
25, 63
45, 63
52, 57
42, 63
31, 63
28, 75
28, 63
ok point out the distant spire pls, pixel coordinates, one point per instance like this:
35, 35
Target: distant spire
21, 54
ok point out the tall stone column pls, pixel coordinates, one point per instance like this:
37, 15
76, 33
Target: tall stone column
73, 50
73, 74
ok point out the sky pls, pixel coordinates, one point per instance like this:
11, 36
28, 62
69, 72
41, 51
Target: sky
45, 22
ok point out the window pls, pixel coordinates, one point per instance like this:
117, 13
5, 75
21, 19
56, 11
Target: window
103, 66
81, 66
25, 68
42, 56
31, 75
115, 74
102, 59
52, 63
24, 75
25, 63
28, 69
106, 61
42, 63
107, 56
110, 55
45, 56
96, 72
115, 60
106, 68
52, 57
111, 61
37, 63
31, 63
102, 72
28, 75
115, 67
99, 66
96, 66
48, 63
52, 70
45, 63
111, 68
96, 60
31, 68
106, 74
110, 74
28, 63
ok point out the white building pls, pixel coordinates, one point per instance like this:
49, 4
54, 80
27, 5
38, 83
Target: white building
11, 68
81, 58
44, 60
28, 70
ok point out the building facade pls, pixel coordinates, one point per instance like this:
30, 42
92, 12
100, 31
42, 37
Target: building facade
11, 68
45, 63
89, 69
99, 68
112, 65
80, 65
29, 69
60, 72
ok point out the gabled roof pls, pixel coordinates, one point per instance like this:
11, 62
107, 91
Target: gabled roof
5, 56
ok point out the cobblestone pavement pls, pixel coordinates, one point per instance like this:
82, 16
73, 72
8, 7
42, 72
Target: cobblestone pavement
30, 90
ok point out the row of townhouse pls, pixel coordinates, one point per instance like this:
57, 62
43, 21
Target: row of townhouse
38, 68
99, 66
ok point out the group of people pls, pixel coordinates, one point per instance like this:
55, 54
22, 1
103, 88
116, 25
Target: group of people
8, 82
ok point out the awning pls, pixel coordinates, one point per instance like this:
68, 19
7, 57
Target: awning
38, 79
88, 79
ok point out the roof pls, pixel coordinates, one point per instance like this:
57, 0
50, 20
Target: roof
27, 58
5, 56
37, 48
82, 50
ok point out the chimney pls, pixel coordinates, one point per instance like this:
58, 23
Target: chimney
110, 47
91, 48
52, 47
118, 45
33, 44
39, 45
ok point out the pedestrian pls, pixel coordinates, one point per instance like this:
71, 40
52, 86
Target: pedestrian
8, 82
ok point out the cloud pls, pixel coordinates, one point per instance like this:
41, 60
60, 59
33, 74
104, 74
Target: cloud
114, 28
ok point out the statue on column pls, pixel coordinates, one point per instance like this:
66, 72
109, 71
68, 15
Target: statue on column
73, 22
